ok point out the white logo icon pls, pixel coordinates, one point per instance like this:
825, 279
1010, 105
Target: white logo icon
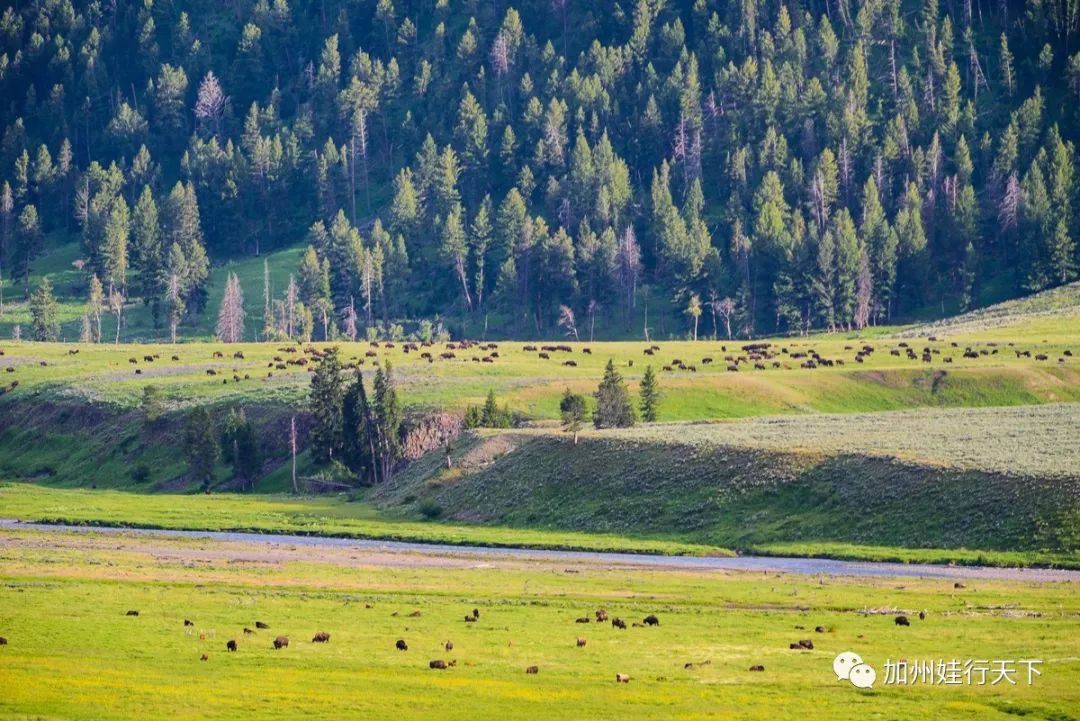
849, 666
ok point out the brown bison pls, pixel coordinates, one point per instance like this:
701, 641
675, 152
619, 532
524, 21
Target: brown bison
532, 670
204, 657
601, 615
260, 624
231, 645
439, 664
281, 642
757, 667
248, 631
581, 642
449, 646
321, 637
618, 623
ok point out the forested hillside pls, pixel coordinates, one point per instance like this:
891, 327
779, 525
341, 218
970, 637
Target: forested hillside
539, 167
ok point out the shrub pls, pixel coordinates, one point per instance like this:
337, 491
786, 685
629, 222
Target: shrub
429, 509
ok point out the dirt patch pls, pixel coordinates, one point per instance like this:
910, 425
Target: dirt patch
488, 451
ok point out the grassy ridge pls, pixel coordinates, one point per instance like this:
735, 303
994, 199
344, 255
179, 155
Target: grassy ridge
680, 479
71, 647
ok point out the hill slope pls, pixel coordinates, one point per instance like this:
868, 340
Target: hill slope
743, 485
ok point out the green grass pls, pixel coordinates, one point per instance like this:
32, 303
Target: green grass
950, 481
313, 516
73, 653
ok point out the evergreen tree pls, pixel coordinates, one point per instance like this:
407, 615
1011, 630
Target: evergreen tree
359, 451
43, 313
387, 411
241, 447
201, 448
327, 394
650, 395
28, 238
613, 407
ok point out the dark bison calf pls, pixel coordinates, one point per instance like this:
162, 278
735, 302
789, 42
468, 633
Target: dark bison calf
260, 624
281, 642
231, 645
401, 645
901, 621
321, 637
651, 620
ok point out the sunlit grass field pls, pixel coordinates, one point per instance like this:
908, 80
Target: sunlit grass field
532, 385
73, 653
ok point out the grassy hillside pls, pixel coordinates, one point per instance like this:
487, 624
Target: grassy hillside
1034, 316
889, 480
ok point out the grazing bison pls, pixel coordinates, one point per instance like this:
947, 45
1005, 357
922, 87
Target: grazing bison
958, 585
757, 667
651, 620
401, 645
622, 678
176, 357
581, 642
470, 619
438, 664
281, 642
807, 644
218, 354
188, 623
820, 629
204, 657
601, 615
583, 619
901, 621
321, 637
414, 614
3, 641
618, 623
248, 631
532, 670
260, 624
545, 356
132, 613
231, 645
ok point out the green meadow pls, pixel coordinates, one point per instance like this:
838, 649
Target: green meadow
73, 652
